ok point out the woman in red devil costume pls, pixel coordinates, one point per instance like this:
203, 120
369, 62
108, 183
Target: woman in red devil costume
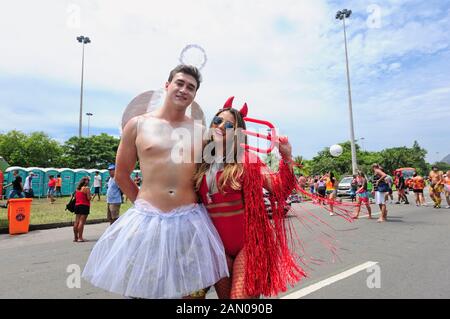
230, 184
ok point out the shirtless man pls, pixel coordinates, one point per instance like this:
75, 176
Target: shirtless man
436, 186
165, 246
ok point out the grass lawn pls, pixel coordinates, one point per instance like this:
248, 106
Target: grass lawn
42, 212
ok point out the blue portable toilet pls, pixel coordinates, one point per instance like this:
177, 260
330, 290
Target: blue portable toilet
105, 177
48, 171
37, 183
68, 177
79, 174
9, 177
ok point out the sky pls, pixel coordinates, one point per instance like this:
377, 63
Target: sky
286, 59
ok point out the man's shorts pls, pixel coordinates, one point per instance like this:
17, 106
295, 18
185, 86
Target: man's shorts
96, 190
380, 198
113, 211
363, 197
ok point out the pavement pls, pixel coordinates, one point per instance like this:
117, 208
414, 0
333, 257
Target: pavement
406, 257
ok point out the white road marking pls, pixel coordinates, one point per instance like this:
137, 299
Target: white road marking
319, 285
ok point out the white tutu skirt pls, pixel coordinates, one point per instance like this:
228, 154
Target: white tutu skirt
148, 253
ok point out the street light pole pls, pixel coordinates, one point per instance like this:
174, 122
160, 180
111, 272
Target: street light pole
89, 122
84, 40
341, 15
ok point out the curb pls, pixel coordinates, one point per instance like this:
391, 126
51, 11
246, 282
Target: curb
56, 225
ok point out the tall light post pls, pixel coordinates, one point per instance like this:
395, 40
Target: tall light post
342, 15
84, 40
89, 122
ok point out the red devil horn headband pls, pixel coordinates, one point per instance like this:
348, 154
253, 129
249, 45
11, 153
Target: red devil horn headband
272, 137
229, 104
244, 110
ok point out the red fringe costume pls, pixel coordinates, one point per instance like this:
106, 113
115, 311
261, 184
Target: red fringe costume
270, 265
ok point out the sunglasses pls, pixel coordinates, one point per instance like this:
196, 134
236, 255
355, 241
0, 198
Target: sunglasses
217, 120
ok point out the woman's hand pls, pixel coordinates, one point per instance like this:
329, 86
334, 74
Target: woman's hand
284, 147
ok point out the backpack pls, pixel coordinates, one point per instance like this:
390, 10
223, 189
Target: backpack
70, 206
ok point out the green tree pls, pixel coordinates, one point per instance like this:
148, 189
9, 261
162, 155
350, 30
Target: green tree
442, 166
11, 147
96, 151
35, 149
393, 158
340, 165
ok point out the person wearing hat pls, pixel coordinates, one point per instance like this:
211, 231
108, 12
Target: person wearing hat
165, 246
113, 197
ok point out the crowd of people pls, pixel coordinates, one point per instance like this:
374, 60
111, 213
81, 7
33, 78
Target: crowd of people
379, 189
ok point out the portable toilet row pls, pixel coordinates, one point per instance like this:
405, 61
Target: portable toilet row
37, 183
70, 178
105, 177
9, 177
67, 181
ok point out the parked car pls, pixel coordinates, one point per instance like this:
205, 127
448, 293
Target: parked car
344, 187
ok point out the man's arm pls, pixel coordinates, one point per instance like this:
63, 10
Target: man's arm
126, 160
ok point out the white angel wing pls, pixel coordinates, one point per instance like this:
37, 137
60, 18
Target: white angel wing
152, 100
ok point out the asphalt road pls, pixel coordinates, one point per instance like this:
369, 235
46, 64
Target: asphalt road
411, 254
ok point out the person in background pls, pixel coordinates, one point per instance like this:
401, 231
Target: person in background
380, 188
28, 186
362, 195
17, 186
51, 189
447, 188
82, 208
436, 186
401, 187
113, 196
389, 194
354, 187
137, 180
58, 185
97, 185
331, 183
418, 186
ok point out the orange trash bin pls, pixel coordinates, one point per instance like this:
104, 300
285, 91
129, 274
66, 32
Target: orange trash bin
19, 215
